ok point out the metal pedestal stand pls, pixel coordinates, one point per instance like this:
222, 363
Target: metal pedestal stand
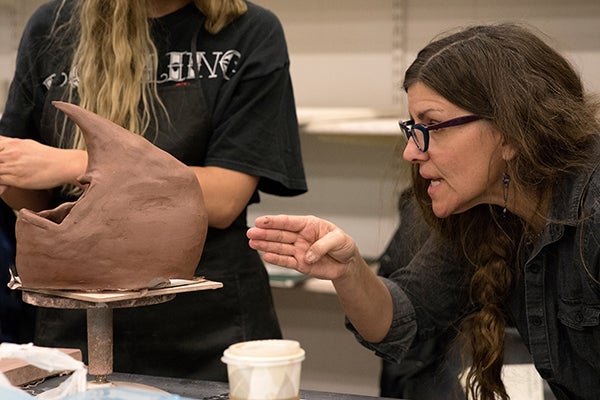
99, 308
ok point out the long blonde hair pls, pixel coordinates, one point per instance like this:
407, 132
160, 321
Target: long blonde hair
115, 60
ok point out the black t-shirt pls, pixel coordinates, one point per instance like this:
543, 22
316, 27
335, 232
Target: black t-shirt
245, 96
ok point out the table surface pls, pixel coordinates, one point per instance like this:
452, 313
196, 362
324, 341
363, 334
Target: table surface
199, 390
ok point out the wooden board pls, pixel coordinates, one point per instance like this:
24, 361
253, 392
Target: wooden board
179, 286
20, 372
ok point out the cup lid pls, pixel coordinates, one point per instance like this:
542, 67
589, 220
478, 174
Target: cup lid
263, 352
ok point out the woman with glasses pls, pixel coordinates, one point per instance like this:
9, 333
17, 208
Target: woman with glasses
205, 80
504, 145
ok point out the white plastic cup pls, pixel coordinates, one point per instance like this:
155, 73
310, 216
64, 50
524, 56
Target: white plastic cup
264, 369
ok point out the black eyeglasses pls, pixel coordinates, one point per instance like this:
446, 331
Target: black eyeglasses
420, 132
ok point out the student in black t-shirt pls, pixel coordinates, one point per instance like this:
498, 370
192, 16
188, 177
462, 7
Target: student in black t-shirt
207, 81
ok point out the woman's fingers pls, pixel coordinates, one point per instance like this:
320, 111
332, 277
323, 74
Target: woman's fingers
293, 223
272, 235
273, 247
283, 261
277, 252
331, 243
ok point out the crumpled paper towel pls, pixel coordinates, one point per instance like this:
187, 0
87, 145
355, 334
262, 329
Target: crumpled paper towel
48, 359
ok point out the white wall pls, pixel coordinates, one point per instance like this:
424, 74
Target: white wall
13, 16
341, 50
7, 50
573, 26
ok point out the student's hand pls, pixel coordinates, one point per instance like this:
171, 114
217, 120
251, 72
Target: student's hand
308, 244
28, 164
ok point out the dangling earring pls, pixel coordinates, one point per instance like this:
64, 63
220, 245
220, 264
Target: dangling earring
505, 182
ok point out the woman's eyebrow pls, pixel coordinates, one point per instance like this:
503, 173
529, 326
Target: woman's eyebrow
423, 114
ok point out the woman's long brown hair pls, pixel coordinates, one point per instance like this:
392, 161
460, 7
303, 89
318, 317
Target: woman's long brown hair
535, 99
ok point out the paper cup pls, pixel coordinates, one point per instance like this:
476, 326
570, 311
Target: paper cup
264, 370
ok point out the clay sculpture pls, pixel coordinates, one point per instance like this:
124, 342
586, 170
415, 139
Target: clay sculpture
140, 221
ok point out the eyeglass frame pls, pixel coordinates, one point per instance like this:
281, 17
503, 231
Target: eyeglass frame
409, 126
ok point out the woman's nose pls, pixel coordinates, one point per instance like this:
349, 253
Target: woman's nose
412, 153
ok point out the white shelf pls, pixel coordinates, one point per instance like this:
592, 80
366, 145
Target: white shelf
348, 121
367, 126
310, 115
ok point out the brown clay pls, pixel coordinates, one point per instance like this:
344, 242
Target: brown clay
140, 220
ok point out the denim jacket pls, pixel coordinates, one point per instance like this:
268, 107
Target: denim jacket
555, 303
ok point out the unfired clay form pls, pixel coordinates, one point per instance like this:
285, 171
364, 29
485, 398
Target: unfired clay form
140, 220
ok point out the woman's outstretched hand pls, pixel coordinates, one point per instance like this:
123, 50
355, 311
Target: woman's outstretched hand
308, 244
318, 248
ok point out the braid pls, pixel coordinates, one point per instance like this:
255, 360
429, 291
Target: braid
492, 245
486, 327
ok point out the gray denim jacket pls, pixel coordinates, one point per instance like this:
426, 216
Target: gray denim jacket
555, 304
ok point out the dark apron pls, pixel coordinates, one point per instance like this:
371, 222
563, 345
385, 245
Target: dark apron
184, 337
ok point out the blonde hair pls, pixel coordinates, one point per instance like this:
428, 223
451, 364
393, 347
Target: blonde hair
115, 60
219, 13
